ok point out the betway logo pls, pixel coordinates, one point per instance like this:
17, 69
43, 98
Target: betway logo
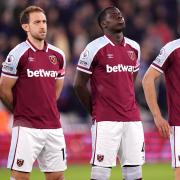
119, 68
41, 73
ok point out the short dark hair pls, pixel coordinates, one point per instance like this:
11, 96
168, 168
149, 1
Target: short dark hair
24, 16
102, 15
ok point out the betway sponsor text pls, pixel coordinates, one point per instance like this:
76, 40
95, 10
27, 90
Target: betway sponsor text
41, 73
119, 68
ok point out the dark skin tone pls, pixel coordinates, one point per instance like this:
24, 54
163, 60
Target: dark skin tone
112, 25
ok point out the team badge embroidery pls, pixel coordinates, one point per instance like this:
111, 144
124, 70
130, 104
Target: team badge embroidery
20, 162
53, 59
131, 55
100, 157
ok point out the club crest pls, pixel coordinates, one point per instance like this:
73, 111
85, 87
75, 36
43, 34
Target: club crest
131, 55
85, 54
20, 162
100, 157
53, 59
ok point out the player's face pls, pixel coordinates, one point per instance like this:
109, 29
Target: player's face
37, 27
114, 21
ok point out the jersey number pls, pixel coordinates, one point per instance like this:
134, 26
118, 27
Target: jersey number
63, 153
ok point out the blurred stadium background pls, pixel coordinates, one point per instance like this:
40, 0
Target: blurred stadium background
71, 25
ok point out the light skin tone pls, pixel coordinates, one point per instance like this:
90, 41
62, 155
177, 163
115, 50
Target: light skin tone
151, 98
36, 29
150, 93
36, 32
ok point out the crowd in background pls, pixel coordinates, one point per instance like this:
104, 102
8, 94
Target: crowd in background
73, 23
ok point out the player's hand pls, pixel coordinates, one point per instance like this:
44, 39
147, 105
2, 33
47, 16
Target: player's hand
163, 126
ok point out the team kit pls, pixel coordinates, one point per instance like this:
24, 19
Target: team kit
119, 63
32, 79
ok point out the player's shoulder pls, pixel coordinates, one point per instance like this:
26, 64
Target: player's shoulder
93, 47
97, 43
19, 49
172, 45
56, 49
132, 43
169, 48
166, 51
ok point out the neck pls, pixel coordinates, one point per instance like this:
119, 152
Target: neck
117, 37
39, 44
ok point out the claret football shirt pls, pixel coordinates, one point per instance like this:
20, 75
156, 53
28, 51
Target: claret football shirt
36, 71
168, 62
111, 67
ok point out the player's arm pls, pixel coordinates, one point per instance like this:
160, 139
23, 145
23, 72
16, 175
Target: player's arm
136, 68
6, 85
81, 89
150, 94
135, 75
59, 86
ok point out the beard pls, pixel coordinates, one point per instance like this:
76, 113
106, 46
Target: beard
39, 36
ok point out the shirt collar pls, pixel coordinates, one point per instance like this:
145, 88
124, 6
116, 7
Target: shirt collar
112, 42
36, 49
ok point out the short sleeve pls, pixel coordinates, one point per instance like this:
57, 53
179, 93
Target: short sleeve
135, 53
9, 66
87, 57
62, 66
85, 60
138, 59
161, 61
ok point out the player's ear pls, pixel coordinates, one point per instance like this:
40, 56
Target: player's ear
103, 24
25, 27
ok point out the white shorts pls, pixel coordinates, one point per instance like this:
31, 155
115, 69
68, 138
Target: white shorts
45, 145
175, 146
117, 139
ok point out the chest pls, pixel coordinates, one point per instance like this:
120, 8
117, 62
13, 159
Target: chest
117, 55
39, 64
40, 60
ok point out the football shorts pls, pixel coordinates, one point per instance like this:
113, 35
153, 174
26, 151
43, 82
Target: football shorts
124, 140
175, 146
45, 145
